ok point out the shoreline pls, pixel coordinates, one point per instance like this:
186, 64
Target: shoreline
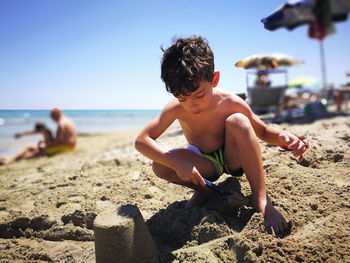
10, 146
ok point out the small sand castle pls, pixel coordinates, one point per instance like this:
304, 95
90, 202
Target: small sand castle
121, 236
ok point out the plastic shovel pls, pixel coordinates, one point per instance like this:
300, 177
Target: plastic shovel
232, 199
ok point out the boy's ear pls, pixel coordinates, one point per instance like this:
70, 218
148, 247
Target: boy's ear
216, 78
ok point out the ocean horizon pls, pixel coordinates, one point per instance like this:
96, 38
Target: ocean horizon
86, 122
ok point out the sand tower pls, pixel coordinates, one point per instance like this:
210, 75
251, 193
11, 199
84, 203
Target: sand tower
122, 236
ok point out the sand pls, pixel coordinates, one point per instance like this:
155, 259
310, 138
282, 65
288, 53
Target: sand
48, 205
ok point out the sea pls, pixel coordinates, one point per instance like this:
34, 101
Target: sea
86, 122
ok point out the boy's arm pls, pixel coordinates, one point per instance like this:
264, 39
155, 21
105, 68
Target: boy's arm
145, 142
147, 145
273, 135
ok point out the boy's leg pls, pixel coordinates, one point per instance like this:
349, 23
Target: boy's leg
241, 138
205, 167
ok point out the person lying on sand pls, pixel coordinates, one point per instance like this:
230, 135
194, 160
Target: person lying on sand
220, 127
65, 139
32, 151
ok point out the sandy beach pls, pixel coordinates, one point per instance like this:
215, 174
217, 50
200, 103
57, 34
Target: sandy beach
48, 205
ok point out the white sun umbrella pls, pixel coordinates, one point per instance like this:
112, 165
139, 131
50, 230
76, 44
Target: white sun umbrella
266, 61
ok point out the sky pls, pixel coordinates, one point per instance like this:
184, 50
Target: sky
105, 54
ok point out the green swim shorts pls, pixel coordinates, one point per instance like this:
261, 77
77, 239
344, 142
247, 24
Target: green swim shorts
217, 157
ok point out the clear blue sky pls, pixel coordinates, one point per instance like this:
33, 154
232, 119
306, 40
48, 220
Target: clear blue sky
105, 54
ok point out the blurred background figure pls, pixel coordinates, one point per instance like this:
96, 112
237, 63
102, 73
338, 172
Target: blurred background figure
32, 151
63, 141
342, 94
66, 135
299, 92
262, 80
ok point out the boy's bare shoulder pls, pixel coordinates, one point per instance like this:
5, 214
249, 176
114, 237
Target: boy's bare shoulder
172, 105
230, 103
228, 97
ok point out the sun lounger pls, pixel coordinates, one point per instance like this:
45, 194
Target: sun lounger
264, 99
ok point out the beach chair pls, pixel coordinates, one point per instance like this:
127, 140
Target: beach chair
264, 99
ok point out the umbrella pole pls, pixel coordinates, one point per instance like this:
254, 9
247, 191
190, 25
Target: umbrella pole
247, 80
323, 65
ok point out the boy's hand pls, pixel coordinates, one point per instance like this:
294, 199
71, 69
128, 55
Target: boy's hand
294, 144
274, 221
189, 173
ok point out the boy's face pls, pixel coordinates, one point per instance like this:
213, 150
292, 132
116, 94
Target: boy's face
199, 100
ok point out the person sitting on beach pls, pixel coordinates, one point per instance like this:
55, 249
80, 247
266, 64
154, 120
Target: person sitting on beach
341, 93
32, 151
215, 123
64, 140
66, 136
262, 80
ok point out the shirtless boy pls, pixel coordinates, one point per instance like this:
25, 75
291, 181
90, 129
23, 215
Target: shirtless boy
212, 120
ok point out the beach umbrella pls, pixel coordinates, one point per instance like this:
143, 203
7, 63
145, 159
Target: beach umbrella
267, 61
318, 14
303, 81
304, 84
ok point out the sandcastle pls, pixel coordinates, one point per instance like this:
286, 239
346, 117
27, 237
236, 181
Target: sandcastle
121, 235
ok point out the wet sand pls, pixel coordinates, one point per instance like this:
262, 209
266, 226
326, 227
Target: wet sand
48, 204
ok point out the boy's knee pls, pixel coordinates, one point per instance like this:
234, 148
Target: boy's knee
238, 122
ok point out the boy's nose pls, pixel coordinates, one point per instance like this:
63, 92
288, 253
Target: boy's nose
194, 106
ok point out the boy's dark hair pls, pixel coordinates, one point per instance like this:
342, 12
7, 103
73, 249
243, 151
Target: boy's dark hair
187, 62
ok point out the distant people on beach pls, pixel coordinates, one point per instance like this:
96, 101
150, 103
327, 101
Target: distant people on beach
262, 80
64, 140
32, 151
342, 94
221, 129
